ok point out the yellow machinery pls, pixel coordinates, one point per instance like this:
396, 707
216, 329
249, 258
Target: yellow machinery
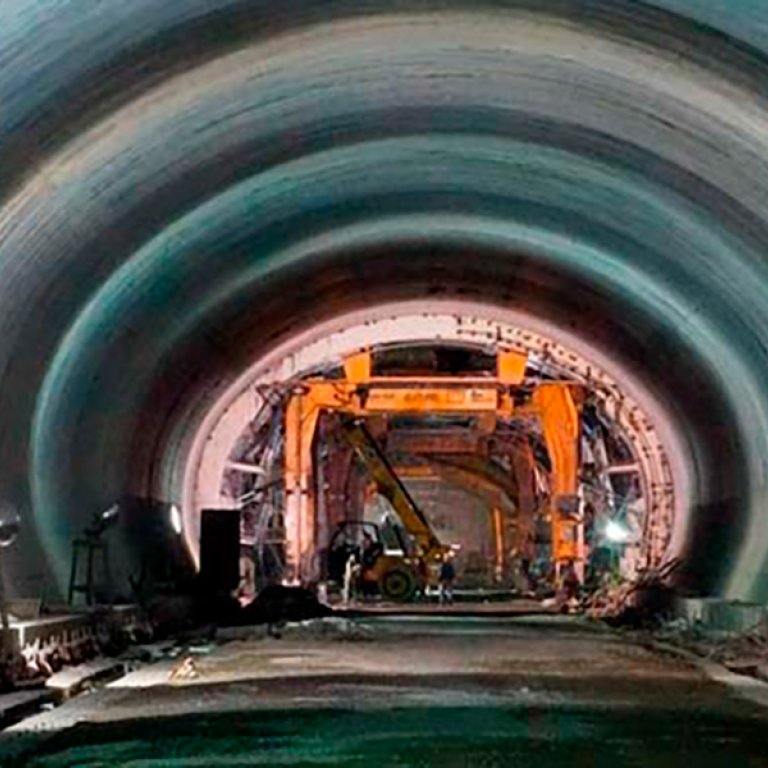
390, 486
395, 576
469, 478
360, 394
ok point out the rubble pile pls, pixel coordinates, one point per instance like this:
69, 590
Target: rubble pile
643, 602
329, 628
609, 601
645, 609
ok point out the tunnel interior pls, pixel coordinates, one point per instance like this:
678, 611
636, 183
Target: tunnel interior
482, 480
473, 451
201, 202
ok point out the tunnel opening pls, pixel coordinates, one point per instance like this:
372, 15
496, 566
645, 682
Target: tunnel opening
419, 439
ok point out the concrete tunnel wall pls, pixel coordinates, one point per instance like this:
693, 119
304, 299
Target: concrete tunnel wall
185, 184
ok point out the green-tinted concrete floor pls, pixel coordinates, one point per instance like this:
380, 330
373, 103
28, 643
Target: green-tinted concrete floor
421, 693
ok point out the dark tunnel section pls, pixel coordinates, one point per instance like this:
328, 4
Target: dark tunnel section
290, 302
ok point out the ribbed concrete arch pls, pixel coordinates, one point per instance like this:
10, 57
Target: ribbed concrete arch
186, 185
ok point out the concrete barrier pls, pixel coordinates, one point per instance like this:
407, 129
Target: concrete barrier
719, 615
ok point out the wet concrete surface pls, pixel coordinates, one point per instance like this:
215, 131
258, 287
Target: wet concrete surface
407, 692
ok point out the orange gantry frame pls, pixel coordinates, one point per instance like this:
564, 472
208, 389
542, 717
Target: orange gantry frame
360, 393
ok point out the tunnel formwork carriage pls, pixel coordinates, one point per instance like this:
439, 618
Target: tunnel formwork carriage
498, 451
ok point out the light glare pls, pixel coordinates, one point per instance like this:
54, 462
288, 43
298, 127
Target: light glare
176, 522
616, 532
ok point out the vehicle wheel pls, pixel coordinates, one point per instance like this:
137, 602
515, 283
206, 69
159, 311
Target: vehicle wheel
398, 584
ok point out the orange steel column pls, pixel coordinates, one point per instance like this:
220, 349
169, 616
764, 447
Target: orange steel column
292, 473
301, 415
522, 465
308, 565
510, 366
559, 416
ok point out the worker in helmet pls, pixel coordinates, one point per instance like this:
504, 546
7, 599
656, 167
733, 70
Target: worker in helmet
447, 577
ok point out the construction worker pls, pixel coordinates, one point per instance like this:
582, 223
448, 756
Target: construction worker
447, 577
352, 572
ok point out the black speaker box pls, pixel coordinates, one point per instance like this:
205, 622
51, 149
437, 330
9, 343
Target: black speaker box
220, 550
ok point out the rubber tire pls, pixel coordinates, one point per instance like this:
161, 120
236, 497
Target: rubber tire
398, 585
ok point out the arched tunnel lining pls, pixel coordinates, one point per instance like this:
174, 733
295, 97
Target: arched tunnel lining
445, 265
713, 286
460, 322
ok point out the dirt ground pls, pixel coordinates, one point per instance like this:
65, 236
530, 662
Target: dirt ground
492, 687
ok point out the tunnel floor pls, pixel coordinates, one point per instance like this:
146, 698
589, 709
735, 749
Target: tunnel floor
405, 691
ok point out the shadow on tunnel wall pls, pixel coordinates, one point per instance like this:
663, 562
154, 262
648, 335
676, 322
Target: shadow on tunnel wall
148, 558
719, 528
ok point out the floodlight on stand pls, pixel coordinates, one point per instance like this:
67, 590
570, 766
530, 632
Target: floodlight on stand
109, 516
176, 520
87, 545
10, 522
102, 521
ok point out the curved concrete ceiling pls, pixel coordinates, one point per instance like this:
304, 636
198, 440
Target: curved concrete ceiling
184, 185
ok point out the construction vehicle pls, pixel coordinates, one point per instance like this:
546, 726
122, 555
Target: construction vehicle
395, 574
397, 565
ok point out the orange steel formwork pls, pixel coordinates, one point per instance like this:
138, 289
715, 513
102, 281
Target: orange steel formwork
554, 404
